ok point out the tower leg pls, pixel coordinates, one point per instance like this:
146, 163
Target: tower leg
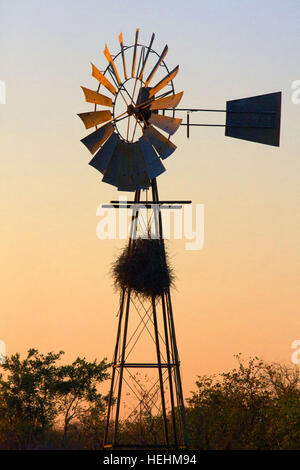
162, 393
180, 399
115, 358
121, 369
169, 370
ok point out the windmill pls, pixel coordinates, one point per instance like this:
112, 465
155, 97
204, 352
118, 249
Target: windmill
132, 137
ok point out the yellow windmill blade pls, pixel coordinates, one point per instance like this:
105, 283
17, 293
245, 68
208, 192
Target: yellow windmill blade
111, 62
103, 80
92, 96
134, 52
160, 59
122, 53
94, 118
167, 102
166, 123
164, 82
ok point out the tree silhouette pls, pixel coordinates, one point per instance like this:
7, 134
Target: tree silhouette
37, 391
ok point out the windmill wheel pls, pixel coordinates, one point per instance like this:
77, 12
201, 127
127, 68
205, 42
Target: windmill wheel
129, 143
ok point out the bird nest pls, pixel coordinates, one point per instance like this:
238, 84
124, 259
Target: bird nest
143, 267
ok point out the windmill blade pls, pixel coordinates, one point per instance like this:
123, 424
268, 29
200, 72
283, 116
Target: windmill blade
141, 180
256, 118
111, 62
160, 59
167, 102
133, 171
166, 123
134, 52
94, 118
153, 164
101, 159
125, 180
94, 140
103, 80
164, 82
123, 56
92, 96
112, 172
147, 55
161, 144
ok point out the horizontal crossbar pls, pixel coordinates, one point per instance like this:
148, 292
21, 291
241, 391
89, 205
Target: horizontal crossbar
193, 110
146, 365
147, 206
151, 202
224, 125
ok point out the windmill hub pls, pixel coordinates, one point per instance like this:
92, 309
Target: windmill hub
142, 114
141, 110
131, 110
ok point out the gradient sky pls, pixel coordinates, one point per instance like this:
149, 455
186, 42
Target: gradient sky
240, 293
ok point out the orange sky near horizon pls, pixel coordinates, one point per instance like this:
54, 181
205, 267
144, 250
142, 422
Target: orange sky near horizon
240, 293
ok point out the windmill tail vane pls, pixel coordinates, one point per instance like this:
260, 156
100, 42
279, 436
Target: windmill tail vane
132, 138
255, 119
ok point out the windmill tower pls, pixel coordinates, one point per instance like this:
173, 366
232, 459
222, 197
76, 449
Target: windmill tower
128, 149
